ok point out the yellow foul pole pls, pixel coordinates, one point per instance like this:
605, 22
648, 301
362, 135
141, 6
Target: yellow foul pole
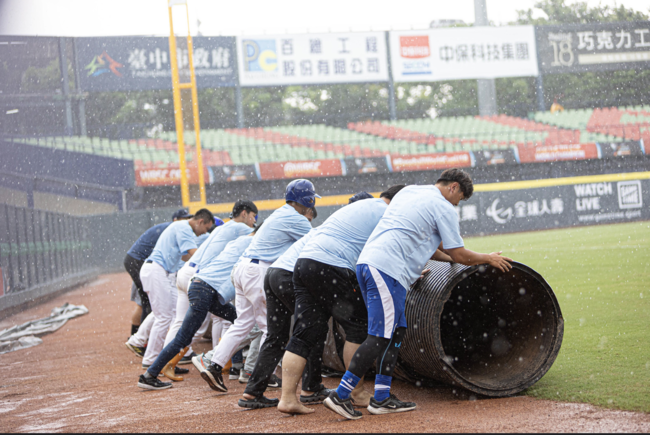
178, 111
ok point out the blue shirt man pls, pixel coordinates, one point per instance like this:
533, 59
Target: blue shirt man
143, 247
411, 230
417, 220
175, 242
218, 240
339, 241
217, 272
287, 261
279, 232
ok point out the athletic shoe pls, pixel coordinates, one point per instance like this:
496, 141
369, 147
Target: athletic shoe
327, 372
180, 371
274, 383
137, 350
152, 383
234, 373
319, 395
341, 407
244, 377
212, 375
258, 402
389, 405
186, 359
200, 362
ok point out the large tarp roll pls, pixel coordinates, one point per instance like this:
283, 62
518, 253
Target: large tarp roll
490, 332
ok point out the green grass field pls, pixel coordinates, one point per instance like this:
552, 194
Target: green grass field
601, 277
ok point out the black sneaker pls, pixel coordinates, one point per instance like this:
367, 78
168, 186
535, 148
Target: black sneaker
327, 372
138, 351
319, 395
274, 383
180, 371
186, 359
258, 402
233, 374
389, 405
212, 375
341, 407
152, 383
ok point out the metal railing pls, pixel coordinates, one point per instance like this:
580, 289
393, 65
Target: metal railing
38, 247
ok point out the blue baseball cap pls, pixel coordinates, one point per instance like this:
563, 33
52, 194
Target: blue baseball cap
359, 196
181, 214
218, 222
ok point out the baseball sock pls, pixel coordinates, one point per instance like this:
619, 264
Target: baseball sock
382, 387
134, 329
348, 383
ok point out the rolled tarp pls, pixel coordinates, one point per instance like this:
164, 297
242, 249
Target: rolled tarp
490, 332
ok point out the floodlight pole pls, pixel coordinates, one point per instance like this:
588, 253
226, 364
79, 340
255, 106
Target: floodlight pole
487, 92
178, 111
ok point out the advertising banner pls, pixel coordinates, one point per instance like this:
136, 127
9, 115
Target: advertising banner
142, 63
554, 207
170, 176
268, 60
463, 53
299, 169
593, 47
496, 157
222, 174
620, 149
424, 162
367, 165
552, 153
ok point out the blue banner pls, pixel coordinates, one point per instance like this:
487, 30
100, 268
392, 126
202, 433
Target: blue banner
143, 63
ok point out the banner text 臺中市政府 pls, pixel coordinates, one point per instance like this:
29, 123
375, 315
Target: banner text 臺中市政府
572, 48
531, 209
463, 53
318, 58
142, 63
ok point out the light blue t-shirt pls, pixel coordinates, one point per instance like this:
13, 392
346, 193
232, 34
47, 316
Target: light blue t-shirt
279, 232
340, 239
287, 261
416, 221
218, 240
173, 243
217, 272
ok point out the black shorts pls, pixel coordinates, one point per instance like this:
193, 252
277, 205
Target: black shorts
323, 291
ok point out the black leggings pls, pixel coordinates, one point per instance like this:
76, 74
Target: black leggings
133, 266
280, 303
380, 350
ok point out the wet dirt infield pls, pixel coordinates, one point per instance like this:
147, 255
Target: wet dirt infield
83, 379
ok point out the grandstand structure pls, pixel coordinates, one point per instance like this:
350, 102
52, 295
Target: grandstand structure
225, 147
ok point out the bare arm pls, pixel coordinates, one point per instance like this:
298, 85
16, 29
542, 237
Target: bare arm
189, 254
471, 258
441, 256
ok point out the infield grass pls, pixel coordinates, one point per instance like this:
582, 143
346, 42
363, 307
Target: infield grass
601, 277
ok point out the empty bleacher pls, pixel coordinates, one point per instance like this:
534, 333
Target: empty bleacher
368, 139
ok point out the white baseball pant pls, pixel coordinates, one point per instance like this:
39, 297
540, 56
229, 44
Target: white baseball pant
250, 302
141, 337
161, 289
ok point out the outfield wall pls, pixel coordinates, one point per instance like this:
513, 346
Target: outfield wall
42, 251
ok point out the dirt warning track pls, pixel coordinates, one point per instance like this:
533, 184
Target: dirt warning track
83, 379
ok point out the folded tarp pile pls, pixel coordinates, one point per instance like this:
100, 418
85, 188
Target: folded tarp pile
27, 335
